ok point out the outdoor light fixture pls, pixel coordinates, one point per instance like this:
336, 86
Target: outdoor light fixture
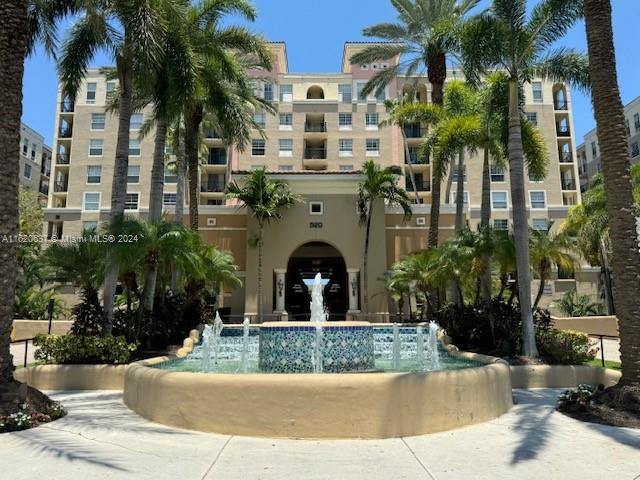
280, 286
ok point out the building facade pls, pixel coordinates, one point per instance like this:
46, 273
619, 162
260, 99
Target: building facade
325, 128
35, 162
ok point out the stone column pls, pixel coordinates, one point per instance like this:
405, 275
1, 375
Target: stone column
353, 285
280, 286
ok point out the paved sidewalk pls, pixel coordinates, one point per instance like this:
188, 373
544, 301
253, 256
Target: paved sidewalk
102, 439
611, 348
17, 350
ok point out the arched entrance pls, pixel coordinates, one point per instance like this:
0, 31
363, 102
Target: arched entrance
305, 262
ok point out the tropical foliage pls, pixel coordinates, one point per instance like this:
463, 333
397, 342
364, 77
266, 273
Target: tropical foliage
573, 304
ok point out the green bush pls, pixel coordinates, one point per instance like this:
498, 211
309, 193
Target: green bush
74, 349
566, 347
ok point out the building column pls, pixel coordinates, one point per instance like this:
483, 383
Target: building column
354, 289
280, 286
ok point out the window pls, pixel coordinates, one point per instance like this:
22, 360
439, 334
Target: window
34, 147
94, 173
170, 176
361, 96
540, 224
594, 150
316, 208
371, 121
268, 92
538, 199
497, 173
381, 96
345, 121
27, 170
169, 199
344, 93
97, 121
372, 147
89, 226
133, 174
286, 147
501, 224
627, 128
136, 121
285, 168
345, 168
456, 172
131, 201
499, 200
286, 93
636, 121
111, 88
345, 147
465, 197
95, 148
260, 118
91, 202
537, 92
91, 92
532, 117
257, 147
134, 147
286, 121
25, 147
635, 150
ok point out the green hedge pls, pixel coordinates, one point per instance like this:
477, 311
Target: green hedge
566, 347
75, 349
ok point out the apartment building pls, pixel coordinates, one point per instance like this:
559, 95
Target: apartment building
325, 128
590, 161
35, 162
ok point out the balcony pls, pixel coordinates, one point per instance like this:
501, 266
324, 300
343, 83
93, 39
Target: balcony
569, 184
217, 157
62, 159
66, 132
212, 188
565, 157
560, 105
421, 185
563, 130
211, 133
315, 127
44, 189
67, 106
413, 159
315, 153
60, 187
414, 131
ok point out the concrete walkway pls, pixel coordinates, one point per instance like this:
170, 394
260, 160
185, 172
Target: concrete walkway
611, 348
102, 439
17, 350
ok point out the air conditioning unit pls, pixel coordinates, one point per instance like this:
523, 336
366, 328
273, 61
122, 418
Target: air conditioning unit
211, 222
421, 221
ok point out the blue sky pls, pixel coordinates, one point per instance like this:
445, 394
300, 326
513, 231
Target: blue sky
315, 32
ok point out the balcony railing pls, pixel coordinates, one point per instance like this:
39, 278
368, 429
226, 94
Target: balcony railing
65, 132
568, 184
315, 127
211, 133
560, 105
421, 185
60, 187
62, 159
315, 153
413, 131
566, 157
563, 130
217, 159
212, 188
44, 189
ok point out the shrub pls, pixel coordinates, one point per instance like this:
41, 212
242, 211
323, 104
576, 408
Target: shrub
75, 349
566, 347
573, 305
27, 418
33, 304
578, 398
88, 317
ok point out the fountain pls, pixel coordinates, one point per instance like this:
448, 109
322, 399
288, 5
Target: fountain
318, 315
420, 347
244, 360
432, 341
396, 347
211, 343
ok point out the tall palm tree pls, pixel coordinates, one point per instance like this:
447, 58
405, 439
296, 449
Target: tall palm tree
506, 38
266, 199
134, 33
609, 114
24, 24
425, 33
378, 184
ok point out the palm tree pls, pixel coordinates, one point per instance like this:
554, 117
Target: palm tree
265, 199
135, 33
426, 32
620, 203
505, 38
24, 24
413, 271
547, 249
378, 184
573, 305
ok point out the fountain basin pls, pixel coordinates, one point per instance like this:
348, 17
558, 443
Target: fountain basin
286, 347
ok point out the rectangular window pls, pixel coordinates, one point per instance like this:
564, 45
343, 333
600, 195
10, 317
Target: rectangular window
499, 200
27, 170
268, 92
25, 147
286, 147
134, 147
111, 88
538, 199
131, 201
344, 93
170, 176
260, 119
594, 150
381, 96
537, 92
501, 224
345, 147
169, 199
89, 226
635, 150
137, 119
345, 168
497, 173
94, 174
91, 202
636, 121
540, 224
285, 168
456, 171
91, 92
133, 174
532, 117
371, 121
345, 121
372, 147
627, 128
286, 121
98, 121
95, 148
257, 147
465, 197
286, 93
34, 147
361, 96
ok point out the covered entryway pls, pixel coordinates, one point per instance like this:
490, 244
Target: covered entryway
305, 262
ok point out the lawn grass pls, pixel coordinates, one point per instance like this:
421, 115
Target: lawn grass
596, 362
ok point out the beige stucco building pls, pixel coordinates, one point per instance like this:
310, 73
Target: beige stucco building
35, 162
322, 133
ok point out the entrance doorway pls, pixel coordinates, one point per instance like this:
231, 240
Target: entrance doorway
305, 262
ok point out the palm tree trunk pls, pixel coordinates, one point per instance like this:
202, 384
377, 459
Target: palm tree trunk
543, 281
485, 217
437, 74
610, 121
13, 42
434, 219
460, 192
157, 171
260, 309
365, 264
149, 289
192, 146
407, 156
119, 184
520, 223
181, 172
